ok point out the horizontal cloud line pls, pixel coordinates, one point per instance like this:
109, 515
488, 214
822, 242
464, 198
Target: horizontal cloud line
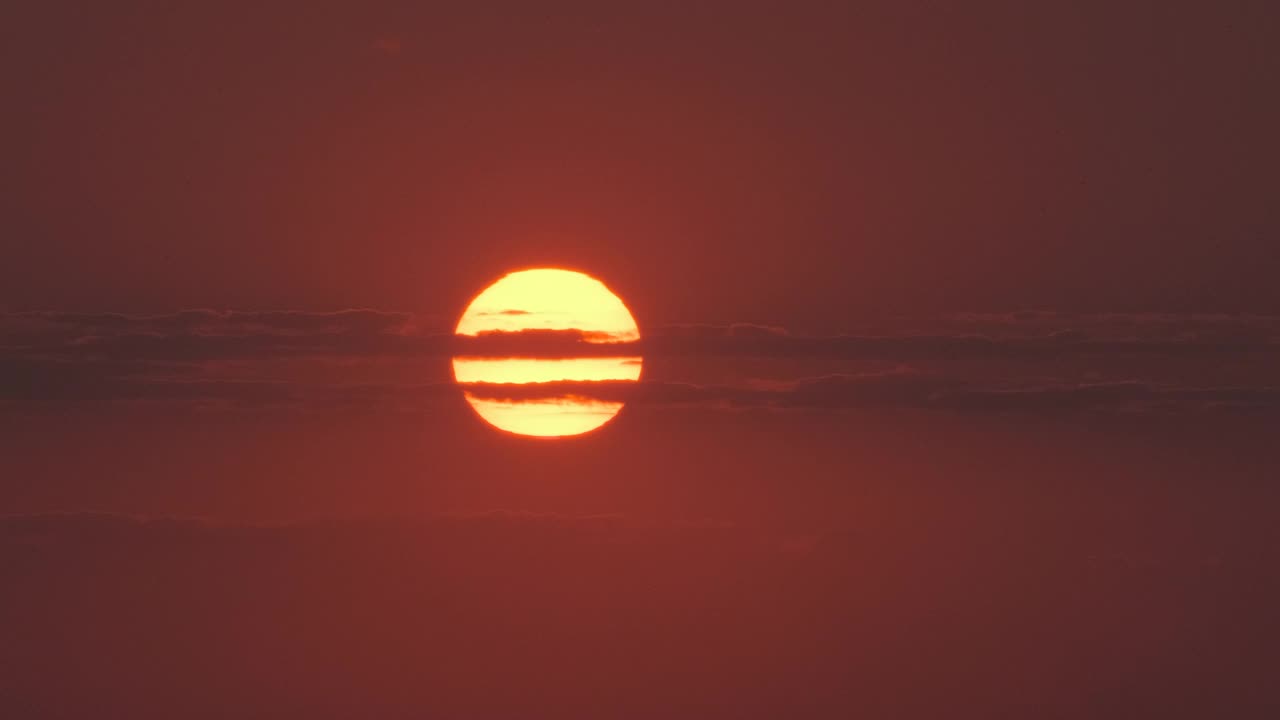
232, 359
902, 389
200, 335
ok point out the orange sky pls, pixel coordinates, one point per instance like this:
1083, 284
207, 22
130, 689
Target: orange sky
955, 387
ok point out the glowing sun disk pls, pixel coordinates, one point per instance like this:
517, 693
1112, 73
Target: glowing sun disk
547, 299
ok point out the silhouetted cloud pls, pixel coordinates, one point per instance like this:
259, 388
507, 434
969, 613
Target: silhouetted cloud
1111, 363
218, 322
1115, 396
905, 389
198, 334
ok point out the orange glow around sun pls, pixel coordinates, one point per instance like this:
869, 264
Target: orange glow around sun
546, 299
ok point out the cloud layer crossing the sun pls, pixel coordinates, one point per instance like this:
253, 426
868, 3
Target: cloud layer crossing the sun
1016, 362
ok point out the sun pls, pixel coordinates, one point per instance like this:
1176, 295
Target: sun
524, 384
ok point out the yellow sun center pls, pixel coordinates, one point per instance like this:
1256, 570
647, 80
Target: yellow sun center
527, 380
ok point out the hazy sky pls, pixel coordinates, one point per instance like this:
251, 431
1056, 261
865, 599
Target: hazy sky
753, 161
960, 333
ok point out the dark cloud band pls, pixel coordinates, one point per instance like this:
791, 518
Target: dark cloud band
1002, 363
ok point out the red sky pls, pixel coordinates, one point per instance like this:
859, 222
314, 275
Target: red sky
960, 390
760, 162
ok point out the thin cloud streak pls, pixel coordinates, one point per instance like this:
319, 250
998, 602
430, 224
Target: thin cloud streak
1107, 363
241, 333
